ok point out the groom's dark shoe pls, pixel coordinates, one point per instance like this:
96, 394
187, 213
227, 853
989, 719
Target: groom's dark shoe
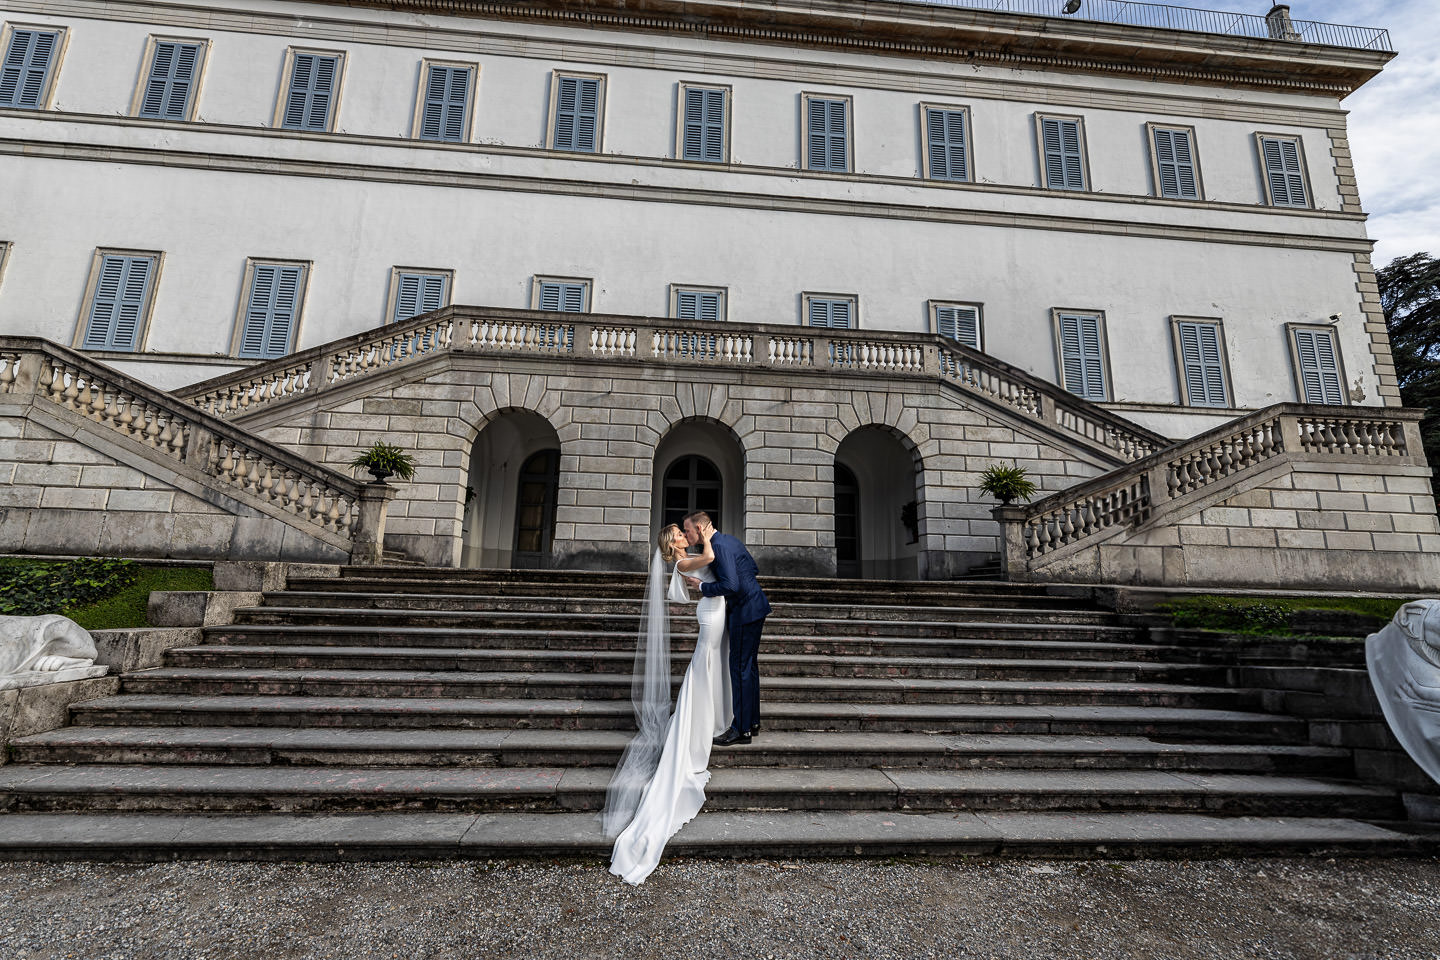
730, 738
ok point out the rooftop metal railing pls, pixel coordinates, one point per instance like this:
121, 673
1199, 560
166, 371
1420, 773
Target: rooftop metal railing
1166, 17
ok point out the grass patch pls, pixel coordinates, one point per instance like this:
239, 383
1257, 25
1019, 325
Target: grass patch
98, 595
1280, 616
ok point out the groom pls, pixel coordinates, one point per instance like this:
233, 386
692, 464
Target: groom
746, 608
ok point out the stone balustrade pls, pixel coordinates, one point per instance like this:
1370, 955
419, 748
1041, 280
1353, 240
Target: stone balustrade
574, 337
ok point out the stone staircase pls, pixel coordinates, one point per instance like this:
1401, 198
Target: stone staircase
424, 712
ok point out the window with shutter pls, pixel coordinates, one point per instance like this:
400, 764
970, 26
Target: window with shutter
706, 306
827, 134
1063, 146
1082, 355
1175, 164
311, 92
837, 313
445, 108
563, 296
1201, 349
1284, 174
947, 144
26, 70
1318, 358
577, 114
417, 293
703, 137
959, 321
170, 87
272, 310
118, 302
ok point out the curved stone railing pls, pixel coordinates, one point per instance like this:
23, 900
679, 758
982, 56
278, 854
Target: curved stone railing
572, 337
1202, 467
325, 504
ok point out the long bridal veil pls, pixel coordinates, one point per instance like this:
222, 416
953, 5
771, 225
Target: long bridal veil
650, 694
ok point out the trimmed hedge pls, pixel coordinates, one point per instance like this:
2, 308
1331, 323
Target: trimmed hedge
30, 589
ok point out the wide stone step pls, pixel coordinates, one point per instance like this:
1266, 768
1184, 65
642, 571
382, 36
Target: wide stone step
1169, 723
774, 625
596, 686
90, 787
431, 836
581, 748
235, 656
630, 607
1046, 642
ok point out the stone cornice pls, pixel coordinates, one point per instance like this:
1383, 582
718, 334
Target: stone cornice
926, 30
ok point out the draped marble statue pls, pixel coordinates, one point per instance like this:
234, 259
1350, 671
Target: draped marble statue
48, 649
1404, 662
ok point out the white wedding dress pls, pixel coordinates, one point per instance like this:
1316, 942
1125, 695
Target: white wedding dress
703, 711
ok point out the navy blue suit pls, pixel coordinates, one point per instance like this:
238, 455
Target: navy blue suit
746, 608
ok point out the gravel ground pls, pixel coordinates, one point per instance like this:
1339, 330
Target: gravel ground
711, 909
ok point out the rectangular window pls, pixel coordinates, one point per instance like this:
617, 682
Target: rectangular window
1081, 341
947, 143
1318, 373
705, 304
827, 132
705, 124
443, 113
1062, 152
561, 295
575, 107
1284, 171
957, 321
118, 300
834, 312
413, 292
270, 315
28, 70
168, 92
1176, 168
1200, 356
311, 90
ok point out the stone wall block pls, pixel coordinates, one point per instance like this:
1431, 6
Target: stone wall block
73, 498
1369, 521
1342, 501
1339, 540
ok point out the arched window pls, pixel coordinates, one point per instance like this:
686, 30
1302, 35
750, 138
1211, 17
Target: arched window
535, 510
692, 483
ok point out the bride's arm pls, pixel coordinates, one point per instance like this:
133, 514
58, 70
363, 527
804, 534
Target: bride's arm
698, 560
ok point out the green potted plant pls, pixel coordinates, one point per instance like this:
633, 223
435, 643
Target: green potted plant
383, 459
1006, 483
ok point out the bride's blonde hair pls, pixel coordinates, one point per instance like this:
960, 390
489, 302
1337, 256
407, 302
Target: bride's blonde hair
666, 543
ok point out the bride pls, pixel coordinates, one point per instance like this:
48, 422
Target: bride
659, 784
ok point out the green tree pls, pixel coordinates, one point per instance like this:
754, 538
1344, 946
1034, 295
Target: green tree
1410, 295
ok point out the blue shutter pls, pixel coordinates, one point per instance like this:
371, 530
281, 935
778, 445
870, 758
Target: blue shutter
949, 148
1082, 356
419, 293
171, 82
25, 71
835, 314
118, 305
272, 311
562, 297
312, 91
1064, 162
959, 323
577, 114
827, 135
701, 305
447, 97
1319, 366
704, 137
1203, 366
1175, 162
1283, 173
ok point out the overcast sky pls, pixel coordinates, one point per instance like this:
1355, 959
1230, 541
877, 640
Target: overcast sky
1394, 120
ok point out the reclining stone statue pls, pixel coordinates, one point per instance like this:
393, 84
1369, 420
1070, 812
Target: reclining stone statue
1404, 662
45, 649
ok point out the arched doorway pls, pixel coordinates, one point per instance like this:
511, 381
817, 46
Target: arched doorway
877, 506
511, 494
699, 466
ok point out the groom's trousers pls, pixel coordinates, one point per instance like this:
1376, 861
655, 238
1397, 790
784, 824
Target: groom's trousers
745, 673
